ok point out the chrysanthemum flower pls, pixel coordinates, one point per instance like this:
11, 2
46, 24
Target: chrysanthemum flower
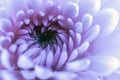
56, 40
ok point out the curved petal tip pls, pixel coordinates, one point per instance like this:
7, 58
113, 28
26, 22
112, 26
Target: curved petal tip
70, 9
108, 20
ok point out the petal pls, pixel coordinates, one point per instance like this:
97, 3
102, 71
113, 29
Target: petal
64, 75
57, 56
49, 60
6, 75
78, 39
62, 59
108, 45
13, 48
42, 57
70, 44
92, 33
49, 6
28, 75
35, 4
5, 25
24, 62
91, 6
5, 59
114, 76
87, 20
73, 55
4, 13
79, 27
84, 46
85, 75
16, 5
22, 48
104, 65
70, 9
20, 15
6, 4
29, 52
108, 20
70, 23
43, 73
78, 65
5, 42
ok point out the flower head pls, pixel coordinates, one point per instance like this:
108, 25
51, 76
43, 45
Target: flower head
49, 39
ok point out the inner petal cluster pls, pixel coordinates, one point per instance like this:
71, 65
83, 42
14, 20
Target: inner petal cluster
44, 36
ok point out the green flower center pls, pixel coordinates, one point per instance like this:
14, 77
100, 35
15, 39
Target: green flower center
45, 36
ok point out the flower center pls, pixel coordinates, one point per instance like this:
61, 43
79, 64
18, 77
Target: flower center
44, 35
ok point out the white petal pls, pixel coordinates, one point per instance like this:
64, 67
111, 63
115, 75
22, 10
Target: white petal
62, 59
27, 21
92, 33
4, 13
49, 60
13, 48
87, 21
108, 20
64, 75
60, 17
84, 46
79, 27
91, 6
5, 25
70, 23
43, 73
5, 59
104, 65
24, 62
41, 13
6, 75
78, 65
73, 55
78, 39
70, 9
29, 75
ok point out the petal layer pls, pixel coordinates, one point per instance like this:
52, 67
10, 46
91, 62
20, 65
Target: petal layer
91, 6
104, 65
108, 20
70, 9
